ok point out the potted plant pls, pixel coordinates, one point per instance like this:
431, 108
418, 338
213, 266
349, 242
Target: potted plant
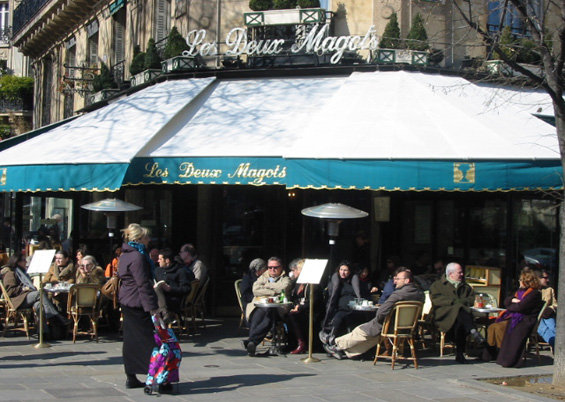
137, 62
417, 41
392, 49
174, 58
104, 85
151, 65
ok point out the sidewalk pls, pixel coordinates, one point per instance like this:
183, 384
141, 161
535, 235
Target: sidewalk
216, 368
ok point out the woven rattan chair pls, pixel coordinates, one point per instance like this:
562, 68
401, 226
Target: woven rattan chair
399, 327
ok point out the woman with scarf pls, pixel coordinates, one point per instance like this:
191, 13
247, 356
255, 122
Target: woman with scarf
138, 302
511, 330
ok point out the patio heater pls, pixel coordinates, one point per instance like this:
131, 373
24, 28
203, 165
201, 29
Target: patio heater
111, 208
333, 213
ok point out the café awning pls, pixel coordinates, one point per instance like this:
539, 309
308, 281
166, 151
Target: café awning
377, 130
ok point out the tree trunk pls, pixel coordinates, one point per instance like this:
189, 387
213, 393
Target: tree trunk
559, 358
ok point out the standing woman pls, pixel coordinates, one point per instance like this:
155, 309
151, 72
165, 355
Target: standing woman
138, 301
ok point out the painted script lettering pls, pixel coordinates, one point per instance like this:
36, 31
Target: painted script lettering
188, 170
244, 170
153, 170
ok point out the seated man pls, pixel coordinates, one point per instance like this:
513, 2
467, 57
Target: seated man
89, 272
546, 328
367, 335
173, 283
23, 293
62, 270
271, 284
452, 299
193, 263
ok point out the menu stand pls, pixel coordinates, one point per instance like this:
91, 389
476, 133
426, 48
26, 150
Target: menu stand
311, 359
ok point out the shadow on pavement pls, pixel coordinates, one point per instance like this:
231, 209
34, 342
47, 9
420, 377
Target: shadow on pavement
230, 383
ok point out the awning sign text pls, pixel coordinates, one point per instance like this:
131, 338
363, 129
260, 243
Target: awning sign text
189, 170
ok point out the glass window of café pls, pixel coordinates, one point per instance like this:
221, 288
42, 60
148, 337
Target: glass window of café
46, 222
537, 239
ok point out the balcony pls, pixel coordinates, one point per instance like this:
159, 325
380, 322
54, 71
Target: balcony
285, 17
39, 23
8, 106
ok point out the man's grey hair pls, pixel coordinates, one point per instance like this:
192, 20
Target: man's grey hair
451, 267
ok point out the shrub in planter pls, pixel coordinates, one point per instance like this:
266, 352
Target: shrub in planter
5, 131
507, 42
309, 3
527, 53
260, 5
104, 80
16, 88
137, 62
176, 44
284, 4
152, 59
391, 34
417, 38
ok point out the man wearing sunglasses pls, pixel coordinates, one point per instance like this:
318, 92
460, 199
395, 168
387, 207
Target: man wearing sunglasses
271, 284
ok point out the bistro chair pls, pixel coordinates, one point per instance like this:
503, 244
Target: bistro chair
83, 301
186, 305
443, 344
237, 285
12, 314
399, 328
535, 340
199, 304
425, 324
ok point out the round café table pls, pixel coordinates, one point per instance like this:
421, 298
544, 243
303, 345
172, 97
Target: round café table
283, 309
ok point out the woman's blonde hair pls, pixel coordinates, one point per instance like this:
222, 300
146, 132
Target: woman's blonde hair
529, 279
134, 232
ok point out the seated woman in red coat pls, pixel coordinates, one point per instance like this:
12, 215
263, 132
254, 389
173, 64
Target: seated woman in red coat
508, 335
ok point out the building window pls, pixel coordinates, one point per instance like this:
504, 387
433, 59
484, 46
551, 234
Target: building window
4, 21
501, 15
119, 35
162, 19
92, 44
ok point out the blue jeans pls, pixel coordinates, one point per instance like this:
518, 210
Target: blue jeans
546, 330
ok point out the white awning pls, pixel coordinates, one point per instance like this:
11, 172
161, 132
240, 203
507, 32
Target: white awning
405, 115
377, 130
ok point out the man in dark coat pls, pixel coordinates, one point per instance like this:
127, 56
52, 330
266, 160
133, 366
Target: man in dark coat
452, 299
366, 336
173, 283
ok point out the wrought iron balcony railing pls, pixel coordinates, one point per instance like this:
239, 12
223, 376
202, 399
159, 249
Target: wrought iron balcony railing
25, 11
16, 105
